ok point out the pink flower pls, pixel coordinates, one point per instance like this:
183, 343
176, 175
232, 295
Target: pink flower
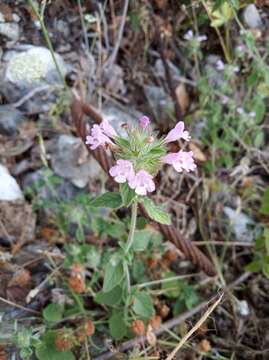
97, 138
107, 129
142, 182
122, 171
180, 161
144, 122
177, 133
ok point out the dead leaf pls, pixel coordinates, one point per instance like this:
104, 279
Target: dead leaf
161, 4
197, 152
151, 337
21, 277
19, 286
18, 222
183, 97
204, 346
6, 11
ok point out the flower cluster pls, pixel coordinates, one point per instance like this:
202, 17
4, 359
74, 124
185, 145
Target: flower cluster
140, 155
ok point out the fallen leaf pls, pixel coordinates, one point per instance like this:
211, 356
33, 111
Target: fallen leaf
183, 97
151, 337
197, 152
204, 345
6, 11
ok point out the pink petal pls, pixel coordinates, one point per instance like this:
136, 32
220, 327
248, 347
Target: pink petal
144, 122
107, 129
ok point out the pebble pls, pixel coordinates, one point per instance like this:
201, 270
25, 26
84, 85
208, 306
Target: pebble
70, 160
10, 118
30, 70
251, 17
9, 188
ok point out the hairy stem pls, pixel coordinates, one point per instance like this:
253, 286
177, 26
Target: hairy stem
129, 244
132, 228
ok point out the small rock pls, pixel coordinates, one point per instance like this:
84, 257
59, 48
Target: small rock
63, 190
9, 188
241, 224
113, 79
251, 17
117, 116
70, 160
33, 66
243, 308
160, 71
10, 30
10, 118
160, 102
29, 70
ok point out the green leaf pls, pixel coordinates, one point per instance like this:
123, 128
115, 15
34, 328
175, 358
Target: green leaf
143, 306
93, 257
254, 266
156, 212
190, 296
171, 288
53, 312
116, 230
46, 349
110, 298
265, 203
259, 109
117, 326
114, 273
141, 240
109, 200
127, 194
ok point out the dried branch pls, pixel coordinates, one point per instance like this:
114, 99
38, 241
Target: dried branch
174, 322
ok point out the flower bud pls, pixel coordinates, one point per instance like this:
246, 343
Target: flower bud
77, 283
63, 341
138, 327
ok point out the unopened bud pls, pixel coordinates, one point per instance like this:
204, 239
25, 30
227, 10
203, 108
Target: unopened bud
138, 327
150, 139
63, 341
77, 283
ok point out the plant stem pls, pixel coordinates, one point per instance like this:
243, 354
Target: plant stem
132, 228
129, 243
47, 39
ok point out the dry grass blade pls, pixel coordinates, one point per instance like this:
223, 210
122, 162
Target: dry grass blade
196, 327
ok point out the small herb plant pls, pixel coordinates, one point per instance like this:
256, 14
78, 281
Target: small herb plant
139, 156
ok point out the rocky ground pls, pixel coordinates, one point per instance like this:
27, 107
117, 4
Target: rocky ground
146, 61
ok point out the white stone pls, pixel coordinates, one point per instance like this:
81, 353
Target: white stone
9, 188
241, 224
32, 65
10, 30
251, 17
243, 308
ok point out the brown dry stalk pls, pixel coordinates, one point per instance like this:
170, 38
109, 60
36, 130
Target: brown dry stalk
190, 250
196, 327
170, 324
